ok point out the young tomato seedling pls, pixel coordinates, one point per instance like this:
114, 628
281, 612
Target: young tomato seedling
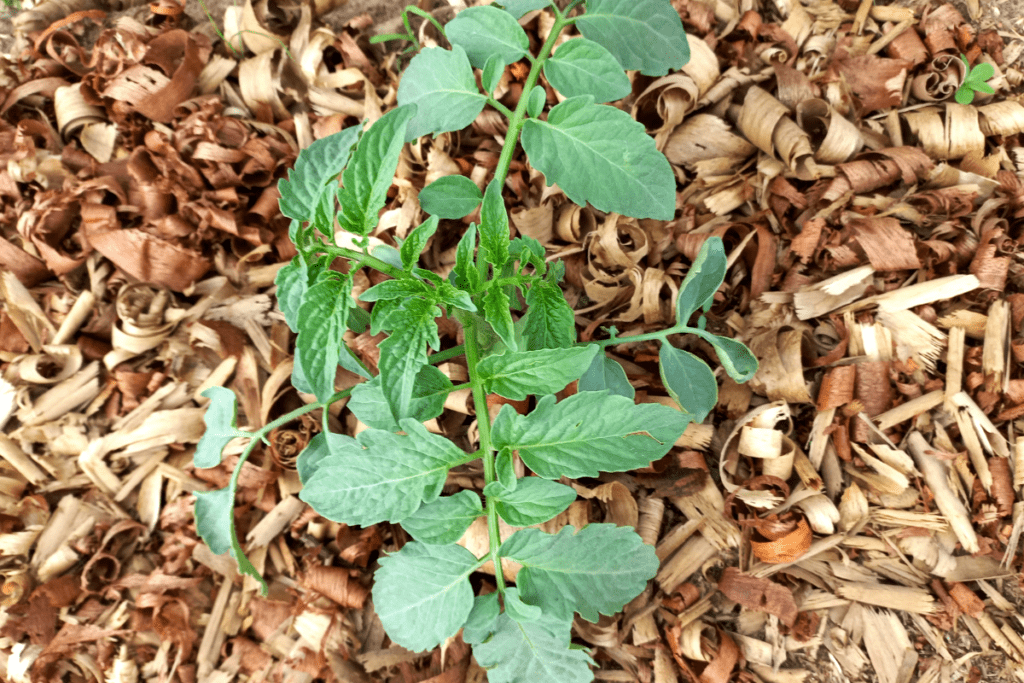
974, 81
394, 471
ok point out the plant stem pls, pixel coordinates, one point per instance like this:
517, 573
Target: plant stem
508, 113
361, 259
486, 452
515, 124
442, 356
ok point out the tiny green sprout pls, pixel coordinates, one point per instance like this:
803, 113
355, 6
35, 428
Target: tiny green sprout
974, 81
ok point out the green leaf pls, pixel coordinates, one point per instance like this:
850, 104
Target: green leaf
549, 321
537, 100
445, 520
534, 500
324, 211
422, 593
739, 361
594, 571
395, 289
705, 276
494, 226
497, 313
414, 243
583, 67
292, 282
516, 375
429, 392
464, 275
981, 73
221, 427
588, 433
486, 31
689, 381
537, 650
322, 161
964, 94
447, 294
315, 452
605, 373
642, 34
517, 8
505, 470
519, 610
451, 196
983, 87
625, 173
367, 179
403, 353
482, 618
383, 476
494, 69
442, 84
215, 524
322, 320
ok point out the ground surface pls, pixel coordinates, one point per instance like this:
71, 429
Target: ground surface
162, 223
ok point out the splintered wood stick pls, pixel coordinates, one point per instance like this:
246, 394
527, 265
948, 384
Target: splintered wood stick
936, 475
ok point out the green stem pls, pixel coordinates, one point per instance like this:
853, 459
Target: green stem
442, 356
486, 452
360, 259
500, 107
428, 16
660, 334
515, 124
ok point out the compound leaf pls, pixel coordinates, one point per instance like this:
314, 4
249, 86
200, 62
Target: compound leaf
444, 520
486, 31
583, 67
395, 289
441, 83
536, 650
533, 501
642, 34
689, 381
403, 353
705, 276
423, 595
549, 321
588, 433
594, 571
451, 196
414, 243
322, 322
221, 426
323, 160
625, 171
367, 179
516, 375
605, 373
381, 475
